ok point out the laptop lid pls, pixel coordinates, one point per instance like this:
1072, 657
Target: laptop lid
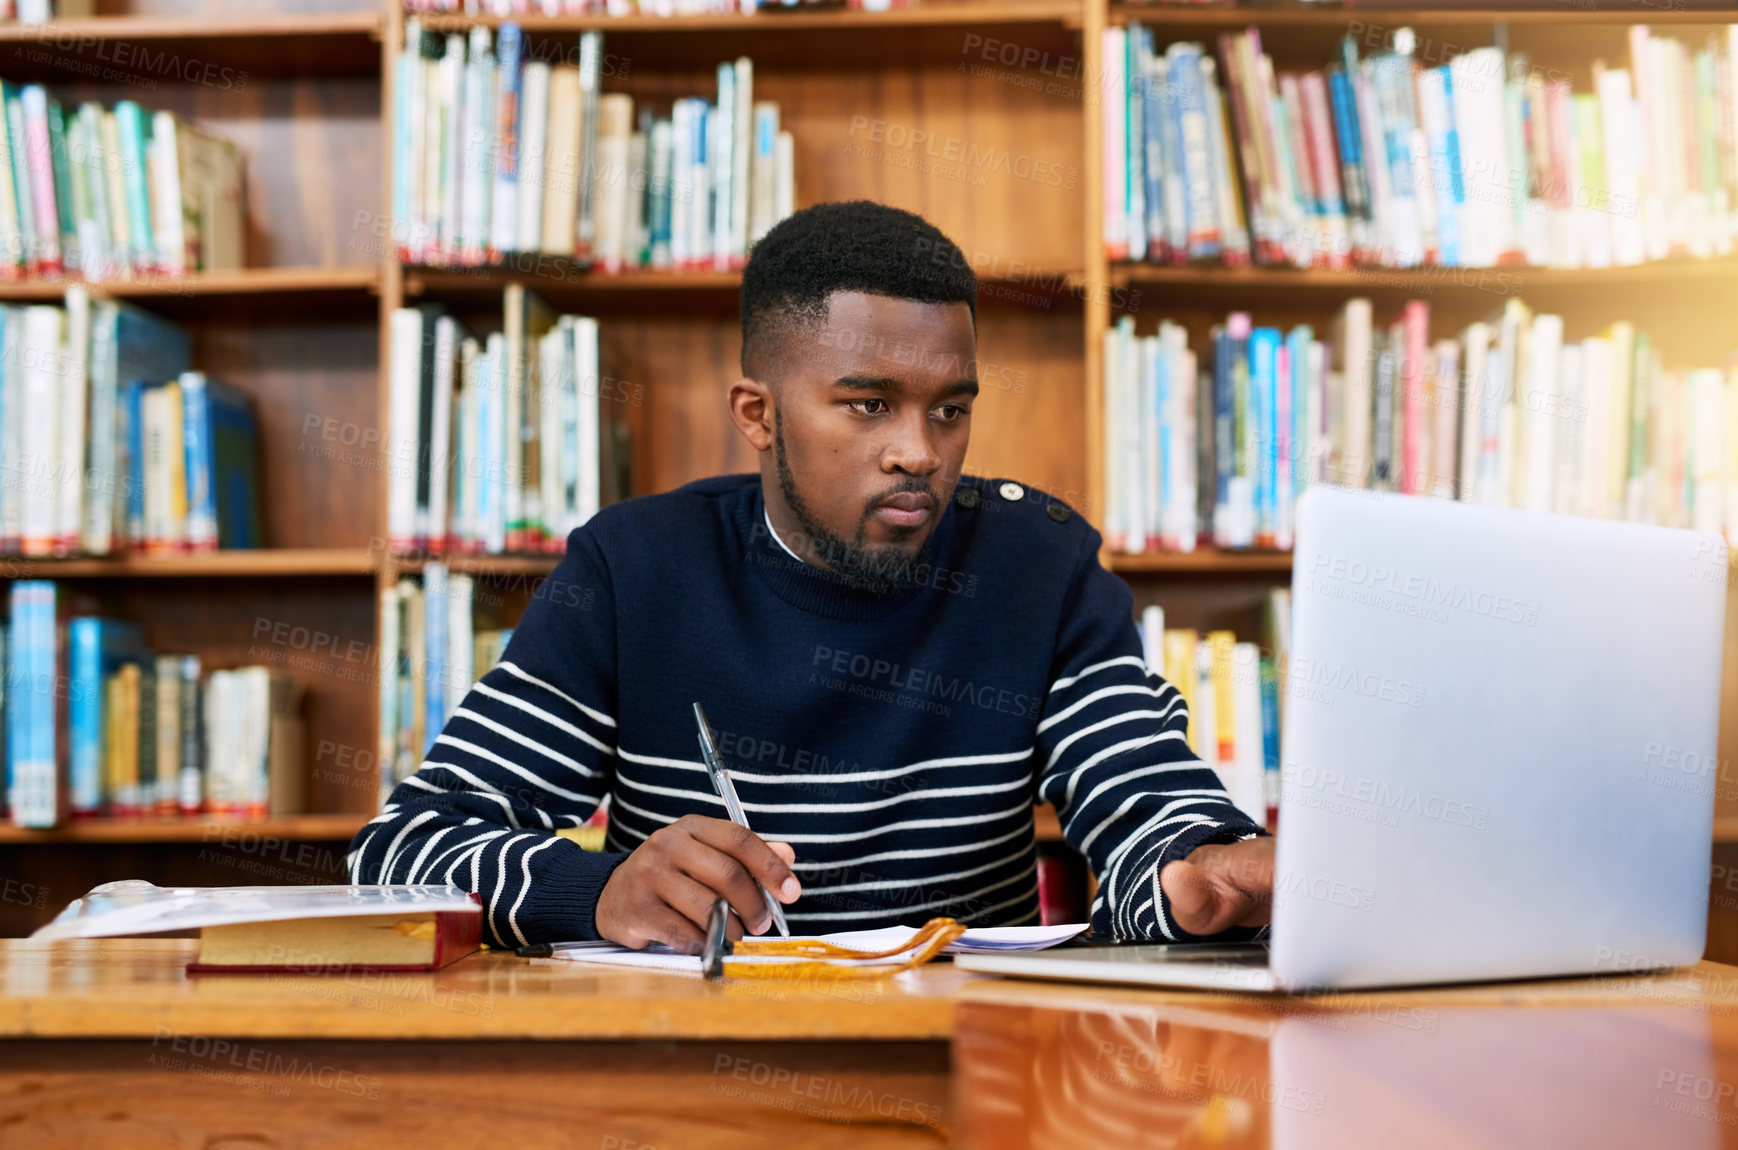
1499, 751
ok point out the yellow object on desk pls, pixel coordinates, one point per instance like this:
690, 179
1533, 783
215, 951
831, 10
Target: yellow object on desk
930, 940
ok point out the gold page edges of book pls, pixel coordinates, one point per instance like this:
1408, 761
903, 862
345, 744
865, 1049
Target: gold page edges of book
368, 940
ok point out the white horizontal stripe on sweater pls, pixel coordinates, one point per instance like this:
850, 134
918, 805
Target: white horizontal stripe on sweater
1120, 660
740, 776
535, 712
1124, 717
1076, 809
1078, 772
918, 853
830, 808
515, 670
919, 880
524, 741
531, 777
852, 836
478, 787
456, 847
953, 900
1103, 693
1174, 799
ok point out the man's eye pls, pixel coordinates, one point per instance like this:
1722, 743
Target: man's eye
949, 412
871, 406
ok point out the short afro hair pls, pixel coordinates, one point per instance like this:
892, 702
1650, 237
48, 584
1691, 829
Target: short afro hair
856, 246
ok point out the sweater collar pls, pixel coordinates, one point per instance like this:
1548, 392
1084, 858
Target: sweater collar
813, 589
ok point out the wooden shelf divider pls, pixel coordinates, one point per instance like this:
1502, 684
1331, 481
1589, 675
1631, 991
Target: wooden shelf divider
774, 21
264, 562
289, 828
1203, 562
241, 282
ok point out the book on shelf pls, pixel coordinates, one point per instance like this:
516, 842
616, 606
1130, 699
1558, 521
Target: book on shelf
1504, 413
432, 650
1234, 694
500, 443
108, 441
503, 150
113, 193
1478, 160
99, 724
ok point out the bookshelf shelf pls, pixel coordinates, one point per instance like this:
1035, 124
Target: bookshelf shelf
1726, 829
1205, 562
1180, 22
775, 22
498, 565
267, 563
288, 828
224, 52
287, 282
648, 288
1426, 281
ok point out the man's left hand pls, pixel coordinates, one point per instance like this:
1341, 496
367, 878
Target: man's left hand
1221, 885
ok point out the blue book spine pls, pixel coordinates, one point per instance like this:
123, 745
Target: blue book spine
1176, 199
1264, 414
435, 593
84, 640
1153, 96
17, 671
1445, 168
503, 234
1270, 732
133, 443
1347, 134
1224, 425
233, 441
196, 447
1201, 213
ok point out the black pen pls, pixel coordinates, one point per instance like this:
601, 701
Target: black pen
732, 806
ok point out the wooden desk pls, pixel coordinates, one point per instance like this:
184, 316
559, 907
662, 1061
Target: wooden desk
111, 1045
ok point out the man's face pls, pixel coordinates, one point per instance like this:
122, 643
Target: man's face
872, 417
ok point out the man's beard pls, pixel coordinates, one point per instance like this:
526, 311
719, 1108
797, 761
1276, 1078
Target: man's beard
879, 570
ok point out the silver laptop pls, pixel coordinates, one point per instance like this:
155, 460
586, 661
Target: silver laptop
1498, 756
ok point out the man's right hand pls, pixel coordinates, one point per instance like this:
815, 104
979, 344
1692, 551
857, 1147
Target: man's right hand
664, 891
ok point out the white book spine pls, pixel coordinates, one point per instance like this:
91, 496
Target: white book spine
460, 637
74, 384
494, 438
785, 201
402, 445
478, 182
439, 447
39, 358
167, 224
452, 73
105, 489
1539, 401
1248, 773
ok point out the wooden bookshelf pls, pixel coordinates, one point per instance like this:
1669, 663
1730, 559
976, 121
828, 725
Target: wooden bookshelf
302, 328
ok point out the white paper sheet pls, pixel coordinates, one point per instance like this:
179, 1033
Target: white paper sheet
133, 906
988, 940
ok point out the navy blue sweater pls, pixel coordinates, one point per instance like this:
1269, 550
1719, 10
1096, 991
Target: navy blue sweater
897, 742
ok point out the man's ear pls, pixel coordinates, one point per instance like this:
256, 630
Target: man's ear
751, 409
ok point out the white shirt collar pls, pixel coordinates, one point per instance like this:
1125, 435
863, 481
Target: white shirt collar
767, 515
